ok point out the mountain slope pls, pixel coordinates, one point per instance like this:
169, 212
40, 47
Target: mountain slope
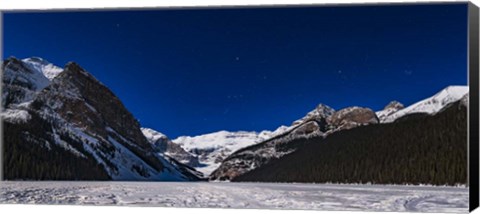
429, 105
78, 118
389, 109
48, 69
419, 149
320, 122
324, 121
211, 149
163, 145
20, 82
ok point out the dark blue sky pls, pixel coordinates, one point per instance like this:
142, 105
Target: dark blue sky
188, 72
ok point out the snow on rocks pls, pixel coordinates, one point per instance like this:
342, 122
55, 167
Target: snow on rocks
48, 69
15, 115
212, 148
430, 105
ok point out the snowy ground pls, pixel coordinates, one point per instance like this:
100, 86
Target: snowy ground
241, 195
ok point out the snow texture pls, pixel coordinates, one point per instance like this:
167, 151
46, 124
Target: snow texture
15, 115
25, 80
32, 75
214, 147
46, 68
241, 195
429, 105
152, 135
384, 114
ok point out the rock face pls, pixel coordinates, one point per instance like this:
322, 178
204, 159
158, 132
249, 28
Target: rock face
83, 101
319, 114
394, 105
70, 113
320, 122
163, 145
307, 128
351, 117
20, 83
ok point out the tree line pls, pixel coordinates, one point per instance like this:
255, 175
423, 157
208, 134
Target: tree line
31, 154
416, 149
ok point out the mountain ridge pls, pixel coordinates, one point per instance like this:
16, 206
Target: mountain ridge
321, 125
432, 104
75, 115
100, 127
418, 149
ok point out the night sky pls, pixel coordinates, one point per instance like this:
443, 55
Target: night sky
190, 72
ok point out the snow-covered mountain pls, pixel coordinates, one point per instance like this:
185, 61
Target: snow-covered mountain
211, 149
21, 82
389, 109
65, 124
323, 121
69, 113
320, 122
321, 111
377, 153
429, 105
163, 145
48, 69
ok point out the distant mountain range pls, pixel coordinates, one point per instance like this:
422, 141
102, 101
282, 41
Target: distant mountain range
62, 123
210, 150
437, 123
418, 148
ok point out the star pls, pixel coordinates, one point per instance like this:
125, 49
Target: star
237, 58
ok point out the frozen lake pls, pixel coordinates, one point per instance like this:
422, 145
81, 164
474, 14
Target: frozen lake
241, 195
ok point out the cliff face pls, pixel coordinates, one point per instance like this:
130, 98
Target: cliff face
352, 117
74, 114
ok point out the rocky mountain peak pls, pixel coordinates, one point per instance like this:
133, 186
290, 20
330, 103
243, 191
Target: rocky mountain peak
20, 82
48, 69
36, 60
320, 122
95, 105
153, 135
78, 117
320, 113
324, 109
73, 70
390, 109
353, 116
394, 105
430, 105
162, 144
78, 98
